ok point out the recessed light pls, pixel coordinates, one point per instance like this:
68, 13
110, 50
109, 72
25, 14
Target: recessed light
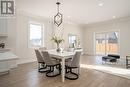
114, 17
101, 4
86, 22
68, 16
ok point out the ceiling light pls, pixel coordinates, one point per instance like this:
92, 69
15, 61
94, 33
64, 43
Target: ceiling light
86, 23
101, 4
68, 16
114, 17
58, 17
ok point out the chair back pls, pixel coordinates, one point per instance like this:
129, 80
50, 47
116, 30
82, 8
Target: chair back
47, 58
39, 56
42, 49
76, 59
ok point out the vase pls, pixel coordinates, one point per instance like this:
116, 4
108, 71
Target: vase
58, 48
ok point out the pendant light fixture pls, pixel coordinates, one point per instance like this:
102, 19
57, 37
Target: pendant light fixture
58, 17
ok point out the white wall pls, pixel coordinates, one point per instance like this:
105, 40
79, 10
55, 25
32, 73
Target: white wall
69, 28
122, 25
17, 39
9, 28
25, 53
73, 29
11, 40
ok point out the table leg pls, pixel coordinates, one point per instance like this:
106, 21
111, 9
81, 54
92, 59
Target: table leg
63, 69
79, 70
126, 63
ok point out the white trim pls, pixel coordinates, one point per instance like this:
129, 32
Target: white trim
25, 60
94, 40
118, 20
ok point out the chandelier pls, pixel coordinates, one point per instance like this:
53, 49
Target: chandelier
58, 17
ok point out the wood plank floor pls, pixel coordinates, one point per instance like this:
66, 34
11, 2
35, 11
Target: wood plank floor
26, 75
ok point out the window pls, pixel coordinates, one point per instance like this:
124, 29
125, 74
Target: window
35, 35
107, 43
72, 41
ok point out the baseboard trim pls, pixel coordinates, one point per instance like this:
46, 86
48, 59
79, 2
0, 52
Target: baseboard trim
26, 61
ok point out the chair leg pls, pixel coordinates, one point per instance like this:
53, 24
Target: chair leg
126, 63
52, 70
43, 69
70, 71
59, 69
78, 70
44, 65
66, 69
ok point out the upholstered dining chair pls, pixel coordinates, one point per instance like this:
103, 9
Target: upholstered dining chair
52, 64
41, 63
73, 64
42, 49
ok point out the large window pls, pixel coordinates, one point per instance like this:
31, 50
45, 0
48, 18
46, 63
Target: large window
107, 43
35, 35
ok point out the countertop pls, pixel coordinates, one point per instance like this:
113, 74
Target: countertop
2, 50
7, 56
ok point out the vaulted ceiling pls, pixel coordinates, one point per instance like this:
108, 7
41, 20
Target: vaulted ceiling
80, 11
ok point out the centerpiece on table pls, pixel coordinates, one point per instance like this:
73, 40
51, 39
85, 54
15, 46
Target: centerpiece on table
58, 41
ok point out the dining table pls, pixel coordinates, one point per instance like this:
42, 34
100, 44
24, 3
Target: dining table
62, 56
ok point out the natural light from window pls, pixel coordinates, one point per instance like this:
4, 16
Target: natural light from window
111, 70
35, 35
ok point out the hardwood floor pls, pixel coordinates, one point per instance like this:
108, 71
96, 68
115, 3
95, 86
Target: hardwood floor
26, 75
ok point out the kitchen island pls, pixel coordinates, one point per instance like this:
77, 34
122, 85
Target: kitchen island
7, 61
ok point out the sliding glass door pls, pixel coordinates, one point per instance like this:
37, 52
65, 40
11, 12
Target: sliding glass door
100, 43
106, 43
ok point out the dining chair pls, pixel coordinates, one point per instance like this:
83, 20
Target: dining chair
73, 64
42, 49
41, 63
52, 64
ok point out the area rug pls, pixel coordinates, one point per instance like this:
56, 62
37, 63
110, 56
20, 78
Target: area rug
125, 73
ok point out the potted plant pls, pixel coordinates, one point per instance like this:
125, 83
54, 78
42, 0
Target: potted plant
58, 41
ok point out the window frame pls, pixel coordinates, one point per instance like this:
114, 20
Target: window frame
76, 38
105, 32
42, 34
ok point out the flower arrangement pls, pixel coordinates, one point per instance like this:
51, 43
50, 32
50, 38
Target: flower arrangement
57, 40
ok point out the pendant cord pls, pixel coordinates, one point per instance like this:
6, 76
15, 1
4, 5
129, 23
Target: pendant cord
58, 3
58, 8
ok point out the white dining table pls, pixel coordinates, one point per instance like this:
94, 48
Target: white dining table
63, 56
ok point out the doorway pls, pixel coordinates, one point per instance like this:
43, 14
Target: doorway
106, 43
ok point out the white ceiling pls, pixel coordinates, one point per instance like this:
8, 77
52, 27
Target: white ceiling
80, 11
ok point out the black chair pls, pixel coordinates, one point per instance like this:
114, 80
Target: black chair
73, 64
52, 64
